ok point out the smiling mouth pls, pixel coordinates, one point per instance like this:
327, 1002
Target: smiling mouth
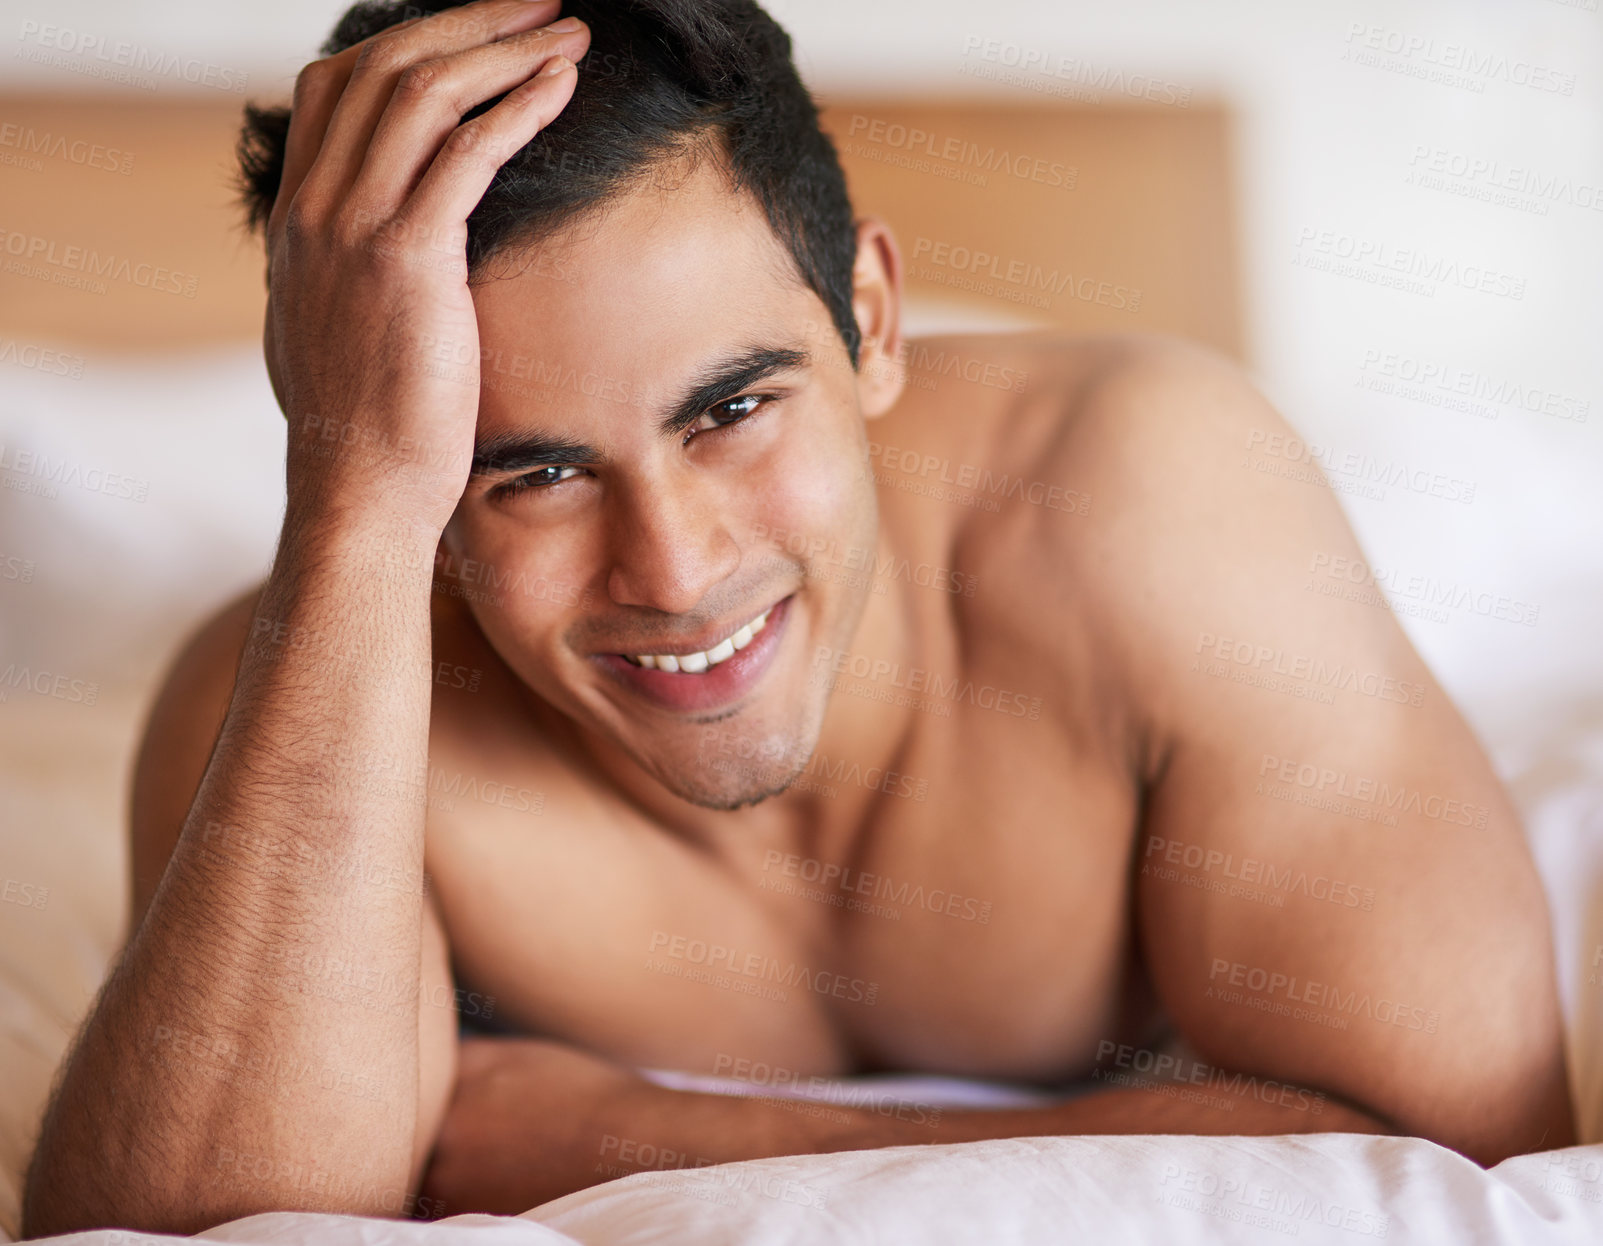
705, 659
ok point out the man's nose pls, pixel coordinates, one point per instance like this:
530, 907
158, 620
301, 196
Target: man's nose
668, 546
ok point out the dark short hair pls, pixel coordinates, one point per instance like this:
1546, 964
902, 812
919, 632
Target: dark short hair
660, 77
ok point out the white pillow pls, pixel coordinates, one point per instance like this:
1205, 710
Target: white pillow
142, 493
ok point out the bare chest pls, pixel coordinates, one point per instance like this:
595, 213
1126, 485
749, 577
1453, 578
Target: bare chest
977, 924
987, 909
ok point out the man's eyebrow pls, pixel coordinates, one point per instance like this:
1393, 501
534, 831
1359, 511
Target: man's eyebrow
518, 452
727, 379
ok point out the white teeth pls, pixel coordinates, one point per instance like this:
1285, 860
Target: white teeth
696, 663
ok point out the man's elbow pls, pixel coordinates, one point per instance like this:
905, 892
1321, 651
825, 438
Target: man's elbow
54, 1203
1542, 1121
61, 1198
1504, 1095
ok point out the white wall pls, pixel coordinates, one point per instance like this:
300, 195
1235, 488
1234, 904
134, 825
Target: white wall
1328, 144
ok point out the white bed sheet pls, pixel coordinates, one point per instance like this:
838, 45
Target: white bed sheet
1168, 1191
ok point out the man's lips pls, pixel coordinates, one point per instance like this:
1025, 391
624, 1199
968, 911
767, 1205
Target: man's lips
695, 657
719, 685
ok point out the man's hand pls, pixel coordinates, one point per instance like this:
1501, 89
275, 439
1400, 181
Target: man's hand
366, 248
524, 1121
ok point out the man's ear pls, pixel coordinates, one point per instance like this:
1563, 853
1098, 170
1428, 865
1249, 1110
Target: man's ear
877, 304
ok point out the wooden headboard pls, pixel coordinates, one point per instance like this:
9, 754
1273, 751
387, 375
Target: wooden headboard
120, 231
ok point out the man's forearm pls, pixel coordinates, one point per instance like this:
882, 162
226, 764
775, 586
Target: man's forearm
534, 1120
216, 1037
705, 1128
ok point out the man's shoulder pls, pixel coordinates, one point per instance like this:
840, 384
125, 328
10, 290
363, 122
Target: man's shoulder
180, 733
1154, 441
1116, 449
1138, 417
1176, 530
194, 696
1090, 406
198, 686
203, 671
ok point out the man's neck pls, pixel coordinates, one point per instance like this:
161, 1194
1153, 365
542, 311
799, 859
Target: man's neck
861, 735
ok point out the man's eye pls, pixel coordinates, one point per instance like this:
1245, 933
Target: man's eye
735, 409
540, 478
722, 414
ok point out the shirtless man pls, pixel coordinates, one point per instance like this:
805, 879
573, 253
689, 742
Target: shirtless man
1012, 776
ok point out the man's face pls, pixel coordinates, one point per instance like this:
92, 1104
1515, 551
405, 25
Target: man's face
620, 537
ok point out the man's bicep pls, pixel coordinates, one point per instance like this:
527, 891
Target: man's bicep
1314, 908
1333, 887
